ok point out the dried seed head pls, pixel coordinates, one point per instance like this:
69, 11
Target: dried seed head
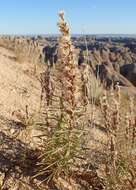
63, 26
61, 14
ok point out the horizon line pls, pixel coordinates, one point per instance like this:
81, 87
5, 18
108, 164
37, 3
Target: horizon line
72, 34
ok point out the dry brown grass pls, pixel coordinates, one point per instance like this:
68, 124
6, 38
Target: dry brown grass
121, 142
26, 50
66, 89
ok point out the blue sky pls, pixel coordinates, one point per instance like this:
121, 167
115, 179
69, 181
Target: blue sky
85, 16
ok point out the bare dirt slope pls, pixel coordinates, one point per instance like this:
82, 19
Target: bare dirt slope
18, 86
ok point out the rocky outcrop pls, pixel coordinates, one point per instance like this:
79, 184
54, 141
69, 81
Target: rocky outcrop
129, 72
109, 76
109, 64
50, 54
